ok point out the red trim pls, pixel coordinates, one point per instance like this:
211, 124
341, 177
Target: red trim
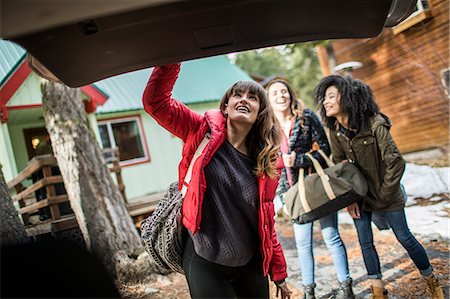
90, 106
94, 94
14, 82
145, 138
20, 107
144, 141
3, 113
122, 164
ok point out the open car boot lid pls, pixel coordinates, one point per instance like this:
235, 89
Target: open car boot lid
83, 42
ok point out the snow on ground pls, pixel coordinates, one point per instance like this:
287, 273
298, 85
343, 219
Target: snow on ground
424, 182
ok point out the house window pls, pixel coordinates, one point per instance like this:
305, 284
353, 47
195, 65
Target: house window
421, 5
421, 13
445, 78
127, 135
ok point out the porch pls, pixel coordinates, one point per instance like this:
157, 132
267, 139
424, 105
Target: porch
44, 205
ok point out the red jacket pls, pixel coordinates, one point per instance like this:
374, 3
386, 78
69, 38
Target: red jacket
192, 127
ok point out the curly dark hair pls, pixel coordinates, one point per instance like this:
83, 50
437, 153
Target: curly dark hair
356, 101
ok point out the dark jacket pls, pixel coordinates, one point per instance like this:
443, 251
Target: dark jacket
307, 130
192, 127
377, 156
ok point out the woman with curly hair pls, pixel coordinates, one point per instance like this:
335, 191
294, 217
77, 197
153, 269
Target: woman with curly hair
359, 132
302, 129
231, 245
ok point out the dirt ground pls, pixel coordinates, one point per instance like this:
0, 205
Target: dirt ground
400, 275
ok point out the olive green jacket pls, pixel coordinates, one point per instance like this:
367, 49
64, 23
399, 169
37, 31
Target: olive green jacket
377, 156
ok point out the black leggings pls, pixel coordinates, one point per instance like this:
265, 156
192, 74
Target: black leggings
210, 280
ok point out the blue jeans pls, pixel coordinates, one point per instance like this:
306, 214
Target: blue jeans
397, 221
304, 241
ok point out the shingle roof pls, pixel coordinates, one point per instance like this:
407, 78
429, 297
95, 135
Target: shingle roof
11, 55
200, 80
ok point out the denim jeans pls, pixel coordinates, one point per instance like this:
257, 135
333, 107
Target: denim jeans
304, 241
397, 221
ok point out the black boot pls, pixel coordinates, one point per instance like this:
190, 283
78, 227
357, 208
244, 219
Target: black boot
345, 290
308, 291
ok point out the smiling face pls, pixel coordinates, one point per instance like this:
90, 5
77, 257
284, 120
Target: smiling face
243, 107
332, 102
279, 97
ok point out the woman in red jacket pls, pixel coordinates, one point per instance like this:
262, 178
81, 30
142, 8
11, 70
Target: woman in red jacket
231, 245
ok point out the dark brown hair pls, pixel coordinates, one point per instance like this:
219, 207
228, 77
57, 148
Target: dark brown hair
263, 140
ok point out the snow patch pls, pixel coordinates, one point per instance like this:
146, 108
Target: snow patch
423, 181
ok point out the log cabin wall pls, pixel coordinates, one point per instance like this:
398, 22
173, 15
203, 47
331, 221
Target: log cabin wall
405, 71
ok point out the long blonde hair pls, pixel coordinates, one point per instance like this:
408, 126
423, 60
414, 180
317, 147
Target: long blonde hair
263, 140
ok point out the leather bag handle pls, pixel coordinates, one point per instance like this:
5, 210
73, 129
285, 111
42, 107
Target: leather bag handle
325, 179
326, 158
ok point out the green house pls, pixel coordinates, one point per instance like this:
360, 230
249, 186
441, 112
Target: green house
149, 154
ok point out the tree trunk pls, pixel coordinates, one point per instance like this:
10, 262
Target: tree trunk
102, 216
12, 229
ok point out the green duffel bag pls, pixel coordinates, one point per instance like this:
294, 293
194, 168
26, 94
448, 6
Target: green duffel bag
324, 192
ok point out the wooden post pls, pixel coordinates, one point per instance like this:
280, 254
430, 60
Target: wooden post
54, 209
25, 217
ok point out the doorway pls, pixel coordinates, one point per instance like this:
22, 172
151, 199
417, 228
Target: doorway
37, 142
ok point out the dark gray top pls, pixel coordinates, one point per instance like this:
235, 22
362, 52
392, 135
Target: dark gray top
229, 229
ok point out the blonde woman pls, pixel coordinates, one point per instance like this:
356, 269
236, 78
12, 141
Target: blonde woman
301, 129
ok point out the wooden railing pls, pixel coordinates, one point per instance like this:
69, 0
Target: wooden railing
41, 197
112, 159
44, 205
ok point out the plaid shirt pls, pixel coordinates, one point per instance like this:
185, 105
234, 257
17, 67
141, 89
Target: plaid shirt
307, 130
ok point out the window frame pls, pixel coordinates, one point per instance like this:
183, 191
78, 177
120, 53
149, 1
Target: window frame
444, 82
113, 120
420, 15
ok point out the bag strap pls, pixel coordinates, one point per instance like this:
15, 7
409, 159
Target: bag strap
326, 158
198, 152
302, 191
323, 177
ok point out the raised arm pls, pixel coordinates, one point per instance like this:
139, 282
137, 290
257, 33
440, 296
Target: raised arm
157, 99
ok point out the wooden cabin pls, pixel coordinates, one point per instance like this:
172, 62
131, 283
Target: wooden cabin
408, 69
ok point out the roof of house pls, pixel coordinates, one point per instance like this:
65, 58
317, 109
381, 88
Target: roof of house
200, 80
11, 55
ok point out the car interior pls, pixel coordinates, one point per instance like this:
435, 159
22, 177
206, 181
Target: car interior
80, 43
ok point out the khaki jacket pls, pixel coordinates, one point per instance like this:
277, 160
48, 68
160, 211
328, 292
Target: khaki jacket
377, 156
